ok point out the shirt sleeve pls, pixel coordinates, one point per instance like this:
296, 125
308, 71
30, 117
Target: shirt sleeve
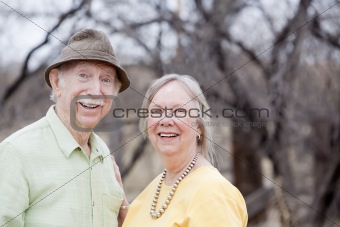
14, 191
217, 207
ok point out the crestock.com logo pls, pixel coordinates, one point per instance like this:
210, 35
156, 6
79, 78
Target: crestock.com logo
114, 119
191, 112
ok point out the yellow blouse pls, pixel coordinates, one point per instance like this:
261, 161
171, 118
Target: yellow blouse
204, 198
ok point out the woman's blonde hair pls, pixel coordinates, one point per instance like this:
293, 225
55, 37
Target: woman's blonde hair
203, 120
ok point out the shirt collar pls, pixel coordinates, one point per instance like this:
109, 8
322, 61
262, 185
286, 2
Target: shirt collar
65, 140
96, 149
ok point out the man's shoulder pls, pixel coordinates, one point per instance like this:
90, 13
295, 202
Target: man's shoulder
32, 131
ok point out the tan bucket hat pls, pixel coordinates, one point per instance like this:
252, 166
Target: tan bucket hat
90, 44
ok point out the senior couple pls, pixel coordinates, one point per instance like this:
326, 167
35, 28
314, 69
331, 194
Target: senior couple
54, 175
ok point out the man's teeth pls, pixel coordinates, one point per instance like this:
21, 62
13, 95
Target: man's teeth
167, 135
88, 105
91, 103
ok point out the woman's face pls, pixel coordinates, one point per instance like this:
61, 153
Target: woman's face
170, 128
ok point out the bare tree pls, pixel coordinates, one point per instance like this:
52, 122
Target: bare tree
24, 71
293, 75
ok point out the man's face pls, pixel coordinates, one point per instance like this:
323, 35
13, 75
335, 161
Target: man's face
94, 80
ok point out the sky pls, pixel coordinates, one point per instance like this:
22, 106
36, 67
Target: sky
24, 23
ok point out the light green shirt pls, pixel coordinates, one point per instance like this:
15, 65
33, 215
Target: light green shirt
46, 179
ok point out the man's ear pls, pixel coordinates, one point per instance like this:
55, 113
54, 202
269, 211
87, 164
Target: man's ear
54, 80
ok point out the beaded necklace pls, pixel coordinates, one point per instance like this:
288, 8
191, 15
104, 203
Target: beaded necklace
165, 205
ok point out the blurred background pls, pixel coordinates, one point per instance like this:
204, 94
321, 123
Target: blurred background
269, 69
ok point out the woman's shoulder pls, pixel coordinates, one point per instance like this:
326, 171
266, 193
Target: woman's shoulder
226, 204
209, 174
207, 179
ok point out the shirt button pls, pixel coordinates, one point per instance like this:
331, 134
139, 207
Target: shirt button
93, 203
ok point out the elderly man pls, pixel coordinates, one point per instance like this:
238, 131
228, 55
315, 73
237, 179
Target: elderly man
55, 174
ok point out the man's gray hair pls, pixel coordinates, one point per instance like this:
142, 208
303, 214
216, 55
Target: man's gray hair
67, 65
61, 83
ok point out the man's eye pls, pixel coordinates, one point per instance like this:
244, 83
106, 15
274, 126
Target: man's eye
106, 80
83, 76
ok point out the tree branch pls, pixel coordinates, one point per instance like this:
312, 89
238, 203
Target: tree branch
24, 71
324, 36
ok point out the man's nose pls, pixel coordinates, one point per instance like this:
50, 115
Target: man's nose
94, 87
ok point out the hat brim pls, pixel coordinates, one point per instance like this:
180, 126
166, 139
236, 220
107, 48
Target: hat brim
122, 75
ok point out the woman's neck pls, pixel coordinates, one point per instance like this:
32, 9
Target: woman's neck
175, 166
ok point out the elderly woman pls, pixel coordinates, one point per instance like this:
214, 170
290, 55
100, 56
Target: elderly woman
190, 191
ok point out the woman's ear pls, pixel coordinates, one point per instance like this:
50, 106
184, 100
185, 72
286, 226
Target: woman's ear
199, 128
54, 80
